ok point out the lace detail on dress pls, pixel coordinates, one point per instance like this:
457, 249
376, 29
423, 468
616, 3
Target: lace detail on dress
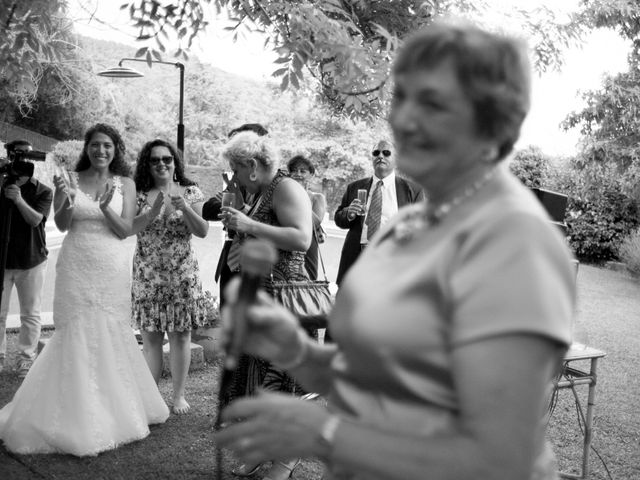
90, 389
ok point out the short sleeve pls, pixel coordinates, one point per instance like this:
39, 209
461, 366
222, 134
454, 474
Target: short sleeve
193, 194
513, 275
43, 201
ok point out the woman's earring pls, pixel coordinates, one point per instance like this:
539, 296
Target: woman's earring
253, 177
490, 155
175, 177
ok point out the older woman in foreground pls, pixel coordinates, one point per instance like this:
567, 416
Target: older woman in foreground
452, 324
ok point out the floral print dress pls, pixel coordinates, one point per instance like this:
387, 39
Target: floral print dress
166, 292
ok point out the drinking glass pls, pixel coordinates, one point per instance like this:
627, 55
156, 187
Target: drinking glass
62, 172
362, 196
228, 200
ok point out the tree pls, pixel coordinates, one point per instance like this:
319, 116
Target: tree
609, 122
36, 38
346, 46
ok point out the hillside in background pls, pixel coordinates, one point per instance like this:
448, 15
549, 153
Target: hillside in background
215, 102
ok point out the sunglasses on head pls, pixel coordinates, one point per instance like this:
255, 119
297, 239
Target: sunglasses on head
156, 160
386, 153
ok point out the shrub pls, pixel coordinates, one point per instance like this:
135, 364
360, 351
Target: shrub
629, 252
600, 213
531, 166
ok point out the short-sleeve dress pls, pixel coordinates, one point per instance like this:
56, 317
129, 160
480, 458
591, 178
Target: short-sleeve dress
494, 266
166, 292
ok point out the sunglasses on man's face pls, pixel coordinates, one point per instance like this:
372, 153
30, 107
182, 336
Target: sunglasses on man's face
386, 153
156, 160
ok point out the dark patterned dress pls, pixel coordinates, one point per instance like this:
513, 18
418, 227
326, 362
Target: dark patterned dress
166, 291
255, 373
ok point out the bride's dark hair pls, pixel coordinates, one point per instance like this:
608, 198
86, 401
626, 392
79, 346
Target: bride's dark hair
118, 165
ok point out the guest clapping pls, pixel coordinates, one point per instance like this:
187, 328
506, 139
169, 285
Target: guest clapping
453, 322
302, 170
167, 292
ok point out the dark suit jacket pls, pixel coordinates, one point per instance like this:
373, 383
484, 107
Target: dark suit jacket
406, 192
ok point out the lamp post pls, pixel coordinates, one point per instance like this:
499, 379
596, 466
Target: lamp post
125, 72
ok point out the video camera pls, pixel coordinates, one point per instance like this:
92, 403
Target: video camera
15, 165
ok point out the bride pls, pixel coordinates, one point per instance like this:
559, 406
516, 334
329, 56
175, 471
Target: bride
90, 389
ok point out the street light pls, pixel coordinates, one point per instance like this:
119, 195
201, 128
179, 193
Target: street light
125, 72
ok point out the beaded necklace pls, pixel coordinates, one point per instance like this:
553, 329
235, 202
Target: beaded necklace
407, 228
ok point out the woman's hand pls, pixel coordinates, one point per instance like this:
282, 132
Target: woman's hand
236, 220
64, 188
156, 208
105, 198
272, 330
178, 202
272, 427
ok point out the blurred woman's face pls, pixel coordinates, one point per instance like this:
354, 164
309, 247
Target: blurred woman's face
300, 173
161, 164
433, 122
100, 150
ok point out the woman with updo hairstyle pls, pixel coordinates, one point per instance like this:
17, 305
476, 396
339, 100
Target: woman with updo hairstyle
281, 213
167, 295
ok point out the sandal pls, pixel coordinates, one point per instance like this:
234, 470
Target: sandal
281, 470
245, 470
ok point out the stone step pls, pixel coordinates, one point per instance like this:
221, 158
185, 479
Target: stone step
197, 355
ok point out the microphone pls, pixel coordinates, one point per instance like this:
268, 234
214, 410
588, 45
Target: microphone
257, 257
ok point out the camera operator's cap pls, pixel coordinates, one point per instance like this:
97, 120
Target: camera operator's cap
11, 146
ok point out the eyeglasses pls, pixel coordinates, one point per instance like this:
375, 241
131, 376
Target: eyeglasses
156, 160
386, 153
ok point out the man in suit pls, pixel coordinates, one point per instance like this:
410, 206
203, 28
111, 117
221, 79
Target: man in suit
211, 210
386, 192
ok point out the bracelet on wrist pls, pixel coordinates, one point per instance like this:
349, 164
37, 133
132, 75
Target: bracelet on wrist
301, 356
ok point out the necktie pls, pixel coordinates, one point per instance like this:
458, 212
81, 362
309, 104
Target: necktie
375, 211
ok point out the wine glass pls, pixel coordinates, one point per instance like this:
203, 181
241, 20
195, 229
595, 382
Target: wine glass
362, 196
62, 172
228, 200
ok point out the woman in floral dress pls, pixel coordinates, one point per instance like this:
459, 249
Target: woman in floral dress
167, 293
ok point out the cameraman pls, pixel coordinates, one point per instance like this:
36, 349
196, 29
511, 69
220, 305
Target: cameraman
29, 202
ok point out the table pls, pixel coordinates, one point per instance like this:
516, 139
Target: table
572, 376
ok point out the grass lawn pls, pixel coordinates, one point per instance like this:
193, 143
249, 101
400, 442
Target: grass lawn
183, 448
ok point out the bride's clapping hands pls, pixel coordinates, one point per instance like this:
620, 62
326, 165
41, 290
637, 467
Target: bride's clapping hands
106, 197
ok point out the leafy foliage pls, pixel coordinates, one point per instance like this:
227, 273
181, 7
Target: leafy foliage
629, 252
531, 166
346, 46
605, 174
599, 212
35, 44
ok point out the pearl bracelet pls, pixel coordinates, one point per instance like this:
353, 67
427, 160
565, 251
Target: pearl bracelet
300, 356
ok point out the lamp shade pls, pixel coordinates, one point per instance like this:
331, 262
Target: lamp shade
120, 72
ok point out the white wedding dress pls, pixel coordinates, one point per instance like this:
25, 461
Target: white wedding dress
90, 390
